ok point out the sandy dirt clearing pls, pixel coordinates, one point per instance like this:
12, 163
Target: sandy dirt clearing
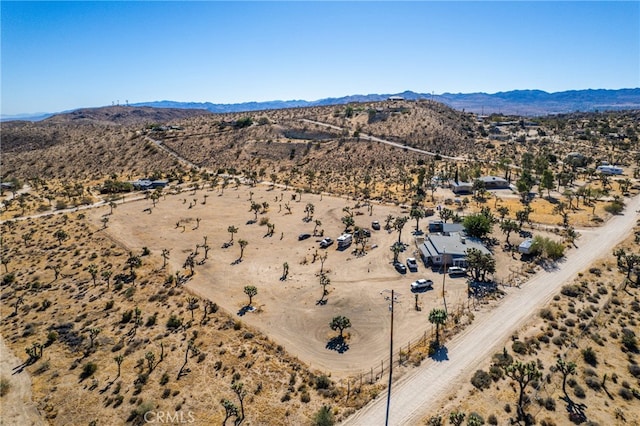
287, 310
419, 390
16, 407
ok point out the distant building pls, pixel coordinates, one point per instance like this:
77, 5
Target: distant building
494, 182
144, 184
449, 249
395, 98
438, 226
609, 170
461, 187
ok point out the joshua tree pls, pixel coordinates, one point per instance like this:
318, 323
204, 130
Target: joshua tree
60, 235
396, 249
238, 389
250, 291
309, 210
93, 333
93, 270
398, 224
191, 347
150, 357
340, 323
627, 263
323, 258
232, 230
507, 227
417, 213
118, 359
566, 369
315, 227
106, 276
456, 418
133, 262
243, 244
285, 271
190, 262
230, 410
19, 301
438, 317
324, 282
105, 221
165, 257
388, 221
523, 374
192, 305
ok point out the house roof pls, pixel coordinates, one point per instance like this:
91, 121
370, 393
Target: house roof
455, 245
495, 179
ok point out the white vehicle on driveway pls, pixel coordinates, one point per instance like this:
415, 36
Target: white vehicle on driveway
421, 284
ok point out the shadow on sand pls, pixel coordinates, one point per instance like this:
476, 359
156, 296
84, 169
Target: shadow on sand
442, 354
338, 344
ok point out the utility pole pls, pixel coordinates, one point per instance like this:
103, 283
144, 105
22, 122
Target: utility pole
391, 300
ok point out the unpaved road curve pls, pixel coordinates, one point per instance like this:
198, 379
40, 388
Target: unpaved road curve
16, 407
417, 392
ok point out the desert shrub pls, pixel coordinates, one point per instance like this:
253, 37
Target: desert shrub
629, 340
519, 347
634, 369
88, 370
286, 397
323, 417
625, 393
492, 419
547, 314
166, 393
614, 207
151, 321
323, 382
164, 379
5, 386
507, 408
434, 421
593, 383
126, 317
595, 271
174, 322
108, 305
237, 325
496, 373
481, 380
570, 322
550, 404
305, 397
559, 341
579, 391
543, 338
547, 422
571, 290
475, 419
248, 335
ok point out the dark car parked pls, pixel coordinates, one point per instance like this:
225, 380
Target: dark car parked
303, 236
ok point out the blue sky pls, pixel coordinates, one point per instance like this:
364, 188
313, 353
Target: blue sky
64, 55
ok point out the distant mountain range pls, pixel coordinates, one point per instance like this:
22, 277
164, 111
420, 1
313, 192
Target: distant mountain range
516, 102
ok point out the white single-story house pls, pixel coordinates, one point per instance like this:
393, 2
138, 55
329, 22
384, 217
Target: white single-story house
461, 187
494, 182
449, 249
143, 184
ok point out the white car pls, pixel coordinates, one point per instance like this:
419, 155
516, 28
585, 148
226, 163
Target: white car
422, 283
457, 271
412, 264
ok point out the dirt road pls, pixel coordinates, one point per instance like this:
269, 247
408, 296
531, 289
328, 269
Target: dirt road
16, 407
415, 393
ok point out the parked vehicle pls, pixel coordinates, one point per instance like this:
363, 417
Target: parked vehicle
400, 267
344, 240
326, 243
375, 225
303, 236
364, 231
421, 284
457, 271
412, 264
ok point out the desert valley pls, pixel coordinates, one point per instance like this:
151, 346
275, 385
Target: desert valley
178, 266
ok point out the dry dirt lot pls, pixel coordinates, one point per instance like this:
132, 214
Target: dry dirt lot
287, 310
